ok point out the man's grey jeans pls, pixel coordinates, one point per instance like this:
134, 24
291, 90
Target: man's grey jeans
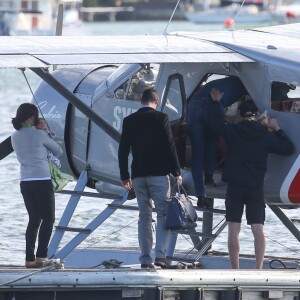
156, 188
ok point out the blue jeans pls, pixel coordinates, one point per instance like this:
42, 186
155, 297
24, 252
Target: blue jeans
156, 188
203, 144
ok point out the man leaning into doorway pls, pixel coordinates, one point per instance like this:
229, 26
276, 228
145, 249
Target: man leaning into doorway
147, 134
248, 144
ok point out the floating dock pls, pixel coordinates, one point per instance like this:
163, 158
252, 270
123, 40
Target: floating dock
150, 284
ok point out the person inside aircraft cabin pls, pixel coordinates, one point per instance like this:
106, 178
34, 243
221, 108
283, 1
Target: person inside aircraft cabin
279, 95
203, 141
248, 144
280, 90
31, 146
147, 134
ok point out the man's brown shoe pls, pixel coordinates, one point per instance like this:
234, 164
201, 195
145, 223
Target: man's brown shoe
161, 262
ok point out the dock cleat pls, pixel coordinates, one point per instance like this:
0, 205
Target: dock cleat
111, 263
56, 263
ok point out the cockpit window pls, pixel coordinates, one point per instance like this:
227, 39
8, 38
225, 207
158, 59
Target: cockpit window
285, 97
133, 88
140, 81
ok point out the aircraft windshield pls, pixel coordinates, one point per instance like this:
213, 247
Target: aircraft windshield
132, 89
121, 71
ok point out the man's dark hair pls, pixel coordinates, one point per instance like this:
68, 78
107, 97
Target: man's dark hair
149, 95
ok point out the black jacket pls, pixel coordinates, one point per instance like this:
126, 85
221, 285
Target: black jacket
248, 145
147, 133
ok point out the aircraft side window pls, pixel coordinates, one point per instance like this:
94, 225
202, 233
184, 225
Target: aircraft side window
285, 97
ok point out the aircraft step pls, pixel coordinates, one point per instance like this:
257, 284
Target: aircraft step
201, 245
193, 258
187, 261
127, 207
194, 233
181, 258
73, 229
211, 210
130, 207
294, 220
89, 194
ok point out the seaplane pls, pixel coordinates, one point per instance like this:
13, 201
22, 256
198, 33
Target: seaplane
88, 85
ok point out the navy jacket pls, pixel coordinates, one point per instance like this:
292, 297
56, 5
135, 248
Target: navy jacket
147, 133
248, 145
232, 87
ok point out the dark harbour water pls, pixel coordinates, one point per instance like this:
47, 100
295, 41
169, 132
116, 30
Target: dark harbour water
122, 227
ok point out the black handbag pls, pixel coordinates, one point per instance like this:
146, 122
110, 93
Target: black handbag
181, 213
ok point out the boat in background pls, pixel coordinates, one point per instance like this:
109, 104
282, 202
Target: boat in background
4, 26
229, 12
28, 17
71, 12
288, 12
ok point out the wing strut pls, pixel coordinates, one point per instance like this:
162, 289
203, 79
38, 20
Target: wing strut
86, 110
285, 221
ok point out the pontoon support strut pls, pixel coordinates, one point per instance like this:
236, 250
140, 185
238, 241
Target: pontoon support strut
285, 221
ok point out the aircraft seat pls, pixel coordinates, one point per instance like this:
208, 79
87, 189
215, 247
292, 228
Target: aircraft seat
289, 105
276, 105
286, 105
295, 107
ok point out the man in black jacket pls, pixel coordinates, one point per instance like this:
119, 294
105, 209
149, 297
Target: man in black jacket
248, 144
147, 133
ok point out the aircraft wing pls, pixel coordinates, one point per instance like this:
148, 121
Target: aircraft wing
191, 47
42, 51
289, 30
278, 43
